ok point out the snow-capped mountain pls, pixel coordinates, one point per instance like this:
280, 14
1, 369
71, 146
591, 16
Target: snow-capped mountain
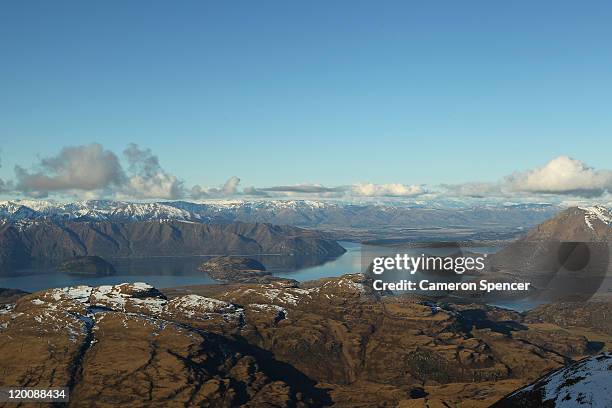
16, 211
575, 224
587, 383
96, 210
148, 211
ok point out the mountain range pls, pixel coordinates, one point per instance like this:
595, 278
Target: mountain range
303, 213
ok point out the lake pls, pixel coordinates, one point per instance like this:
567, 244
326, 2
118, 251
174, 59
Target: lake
165, 272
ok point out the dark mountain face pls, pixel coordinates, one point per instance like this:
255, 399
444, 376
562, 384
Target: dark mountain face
566, 256
576, 224
47, 241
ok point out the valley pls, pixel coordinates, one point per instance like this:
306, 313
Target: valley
250, 331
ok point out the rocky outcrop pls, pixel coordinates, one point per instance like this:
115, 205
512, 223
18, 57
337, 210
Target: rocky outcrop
47, 241
239, 270
87, 265
595, 314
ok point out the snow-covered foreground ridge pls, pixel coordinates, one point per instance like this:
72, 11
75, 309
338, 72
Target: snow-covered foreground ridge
76, 308
587, 383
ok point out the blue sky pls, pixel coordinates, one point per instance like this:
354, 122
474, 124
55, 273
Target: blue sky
282, 93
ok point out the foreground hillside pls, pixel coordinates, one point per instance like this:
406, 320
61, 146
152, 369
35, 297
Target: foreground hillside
328, 342
567, 256
53, 241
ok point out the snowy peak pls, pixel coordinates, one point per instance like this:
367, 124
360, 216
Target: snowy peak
575, 224
96, 210
16, 211
149, 211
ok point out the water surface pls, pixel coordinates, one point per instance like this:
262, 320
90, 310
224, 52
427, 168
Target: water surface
165, 272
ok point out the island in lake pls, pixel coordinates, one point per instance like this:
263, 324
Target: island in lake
87, 265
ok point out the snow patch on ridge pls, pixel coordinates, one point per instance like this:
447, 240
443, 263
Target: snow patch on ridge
79, 293
203, 307
586, 383
133, 294
594, 213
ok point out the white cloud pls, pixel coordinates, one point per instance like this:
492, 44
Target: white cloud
4, 186
562, 175
303, 188
386, 190
158, 185
229, 188
148, 179
86, 168
473, 189
91, 171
